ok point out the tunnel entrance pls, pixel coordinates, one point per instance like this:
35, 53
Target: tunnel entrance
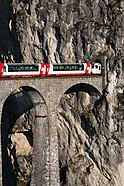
24, 135
77, 131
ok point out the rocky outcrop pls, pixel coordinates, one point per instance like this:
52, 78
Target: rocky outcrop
90, 129
63, 31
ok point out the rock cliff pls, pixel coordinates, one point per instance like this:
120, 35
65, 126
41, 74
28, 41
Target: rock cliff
90, 129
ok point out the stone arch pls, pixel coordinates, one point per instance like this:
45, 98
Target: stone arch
24, 134
91, 90
75, 123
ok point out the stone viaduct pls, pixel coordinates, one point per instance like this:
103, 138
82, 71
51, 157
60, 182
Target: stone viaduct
48, 90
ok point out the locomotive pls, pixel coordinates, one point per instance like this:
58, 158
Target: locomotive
46, 69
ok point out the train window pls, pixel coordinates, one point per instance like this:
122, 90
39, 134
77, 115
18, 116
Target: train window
69, 67
55, 68
23, 68
4, 68
96, 66
61, 68
92, 65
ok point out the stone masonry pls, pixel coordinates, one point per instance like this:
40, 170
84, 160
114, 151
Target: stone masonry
51, 89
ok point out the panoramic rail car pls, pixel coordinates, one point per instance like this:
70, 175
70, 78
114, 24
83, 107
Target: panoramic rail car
22, 69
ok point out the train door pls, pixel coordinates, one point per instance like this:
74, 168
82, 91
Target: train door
49, 69
1, 69
43, 69
88, 69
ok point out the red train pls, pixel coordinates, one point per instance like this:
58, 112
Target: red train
22, 69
